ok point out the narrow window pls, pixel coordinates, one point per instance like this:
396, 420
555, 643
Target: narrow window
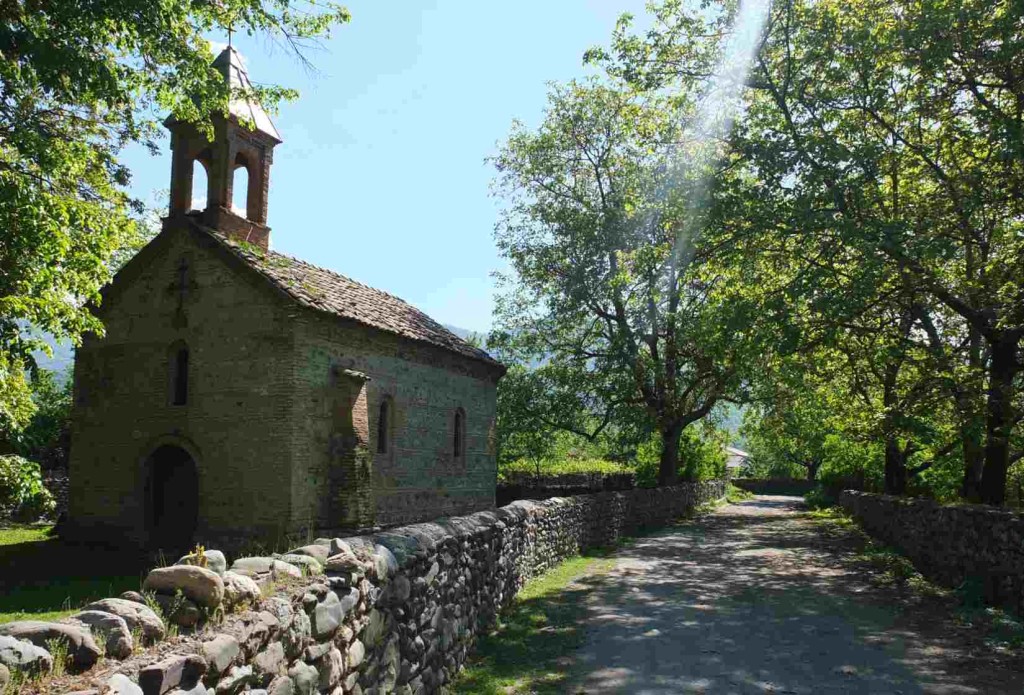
179, 379
458, 445
383, 427
240, 189
200, 185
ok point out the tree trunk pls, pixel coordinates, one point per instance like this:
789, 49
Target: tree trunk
895, 467
972, 420
812, 470
999, 416
669, 465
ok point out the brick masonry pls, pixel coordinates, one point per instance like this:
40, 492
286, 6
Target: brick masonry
950, 544
281, 442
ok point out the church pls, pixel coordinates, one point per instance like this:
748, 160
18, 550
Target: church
239, 394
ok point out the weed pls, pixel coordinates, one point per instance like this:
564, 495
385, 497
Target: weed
58, 648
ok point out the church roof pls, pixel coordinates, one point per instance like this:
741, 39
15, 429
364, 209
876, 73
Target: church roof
232, 66
327, 291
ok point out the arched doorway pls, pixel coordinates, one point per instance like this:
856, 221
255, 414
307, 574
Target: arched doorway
172, 498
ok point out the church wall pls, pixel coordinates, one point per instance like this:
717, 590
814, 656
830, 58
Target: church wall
236, 420
418, 477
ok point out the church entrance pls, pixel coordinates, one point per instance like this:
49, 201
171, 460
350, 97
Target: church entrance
172, 498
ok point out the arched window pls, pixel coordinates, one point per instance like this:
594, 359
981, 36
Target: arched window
200, 185
384, 426
240, 188
459, 441
179, 375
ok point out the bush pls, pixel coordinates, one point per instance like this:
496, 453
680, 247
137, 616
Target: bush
23, 496
566, 466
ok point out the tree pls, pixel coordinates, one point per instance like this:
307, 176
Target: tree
79, 82
612, 290
891, 133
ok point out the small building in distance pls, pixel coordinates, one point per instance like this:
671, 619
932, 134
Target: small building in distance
735, 461
240, 393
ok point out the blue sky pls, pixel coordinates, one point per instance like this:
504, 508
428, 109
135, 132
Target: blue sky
382, 173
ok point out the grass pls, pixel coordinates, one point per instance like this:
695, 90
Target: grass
44, 578
527, 652
1001, 630
734, 495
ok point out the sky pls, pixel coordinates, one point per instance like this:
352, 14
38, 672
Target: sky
382, 175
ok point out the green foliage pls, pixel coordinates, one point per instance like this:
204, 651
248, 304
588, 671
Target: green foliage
22, 493
80, 83
561, 466
701, 457
46, 436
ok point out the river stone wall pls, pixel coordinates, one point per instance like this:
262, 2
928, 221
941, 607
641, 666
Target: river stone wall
950, 544
394, 612
527, 486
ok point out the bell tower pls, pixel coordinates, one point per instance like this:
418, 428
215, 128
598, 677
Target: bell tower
243, 143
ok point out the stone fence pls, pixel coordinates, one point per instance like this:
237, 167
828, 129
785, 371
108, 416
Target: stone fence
950, 544
775, 486
527, 486
397, 611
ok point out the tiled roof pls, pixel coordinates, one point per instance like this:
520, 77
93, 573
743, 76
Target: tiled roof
327, 291
232, 66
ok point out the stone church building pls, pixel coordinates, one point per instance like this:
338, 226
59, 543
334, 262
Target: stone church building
239, 393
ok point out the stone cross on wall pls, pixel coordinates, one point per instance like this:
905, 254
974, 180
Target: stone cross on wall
181, 286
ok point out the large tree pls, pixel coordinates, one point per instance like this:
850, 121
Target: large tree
79, 82
605, 230
892, 132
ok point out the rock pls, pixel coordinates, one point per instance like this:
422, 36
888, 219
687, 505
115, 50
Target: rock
309, 565
271, 661
220, 653
304, 677
179, 610
237, 680
5, 677
345, 563
198, 584
238, 588
82, 649
387, 564
376, 626
355, 655
119, 643
181, 671
280, 608
212, 560
327, 616
282, 685
120, 684
318, 552
199, 689
297, 635
140, 617
332, 667
400, 589
21, 655
337, 545
134, 596
258, 632
265, 565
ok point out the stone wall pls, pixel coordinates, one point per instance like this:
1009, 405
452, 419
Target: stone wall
526, 486
774, 486
950, 544
397, 611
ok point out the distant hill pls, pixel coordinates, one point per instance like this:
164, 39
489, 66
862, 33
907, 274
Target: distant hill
466, 334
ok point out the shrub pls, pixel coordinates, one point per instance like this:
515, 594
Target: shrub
566, 466
22, 493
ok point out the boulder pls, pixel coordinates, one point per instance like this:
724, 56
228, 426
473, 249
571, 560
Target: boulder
253, 566
355, 655
310, 565
134, 596
327, 616
22, 655
179, 610
114, 628
282, 685
331, 668
220, 653
82, 649
316, 551
182, 671
239, 588
198, 584
305, 678
199, 689
120, 684
238, 679
211, 559
270, 662
387, 563
138, 616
